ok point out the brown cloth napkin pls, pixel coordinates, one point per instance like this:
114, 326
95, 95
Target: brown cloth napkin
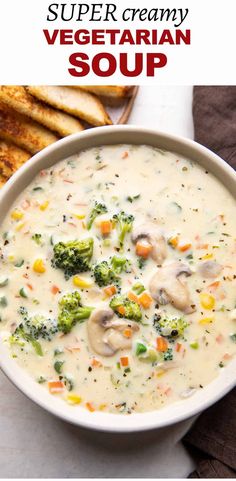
213, 437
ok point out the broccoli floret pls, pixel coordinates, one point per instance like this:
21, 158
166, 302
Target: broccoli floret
124, 223
37, 238
33, 328
172, 327
168, 355
71, 311
123, 307
120, 264
106, 273
95, 212
73, 256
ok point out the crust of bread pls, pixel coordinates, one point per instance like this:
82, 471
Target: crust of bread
17, 98
11, 158
76, 102
24, 132
117, 91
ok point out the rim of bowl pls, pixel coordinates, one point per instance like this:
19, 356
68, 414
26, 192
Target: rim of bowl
117, 423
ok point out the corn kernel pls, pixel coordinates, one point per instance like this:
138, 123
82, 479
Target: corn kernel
206, 320
39, 266
207, 256
44, 205
80, 282
207, 301
74, 399
79, 216
20, 226
17, 215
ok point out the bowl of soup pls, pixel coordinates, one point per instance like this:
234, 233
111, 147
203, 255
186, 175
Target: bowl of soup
117, 279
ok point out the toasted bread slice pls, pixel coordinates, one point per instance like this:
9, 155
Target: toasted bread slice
17, 98
23, 132
117, 91
11, 158
74, 101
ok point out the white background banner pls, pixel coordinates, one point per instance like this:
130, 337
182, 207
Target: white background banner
26, 57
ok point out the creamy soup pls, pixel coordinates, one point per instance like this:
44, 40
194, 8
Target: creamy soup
117, 280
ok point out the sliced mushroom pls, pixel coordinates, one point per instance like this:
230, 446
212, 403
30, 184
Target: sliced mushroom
153, 235
166, 286
106, 334
210, 269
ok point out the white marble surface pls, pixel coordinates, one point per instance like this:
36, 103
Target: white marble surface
35, 444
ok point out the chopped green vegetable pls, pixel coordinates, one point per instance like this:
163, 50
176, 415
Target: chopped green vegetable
141, 262
138, 288
37, 238
19, 263
3, 301
97, 210
73, 256
172, 327
4, 281
71, 311
124, 223
126, 308
106, 273
168, 355
58, 366
20, 333
41, 380
150, 356
132, 198
140, 348
58, 351
194, 345
23, 292
69, 383
233, 337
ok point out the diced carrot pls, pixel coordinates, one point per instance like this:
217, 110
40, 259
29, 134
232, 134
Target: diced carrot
133, 297
162, 344
145, 300
202, 246
178, 347
143, 249
168, 392
55, 387
121, 310
30, 287
184, 247
124, 361
55, 289
127, 333
90, 407
106, 227
220, 338
173, 241
96, 363
125, 155
214, 285
227, 356
110, 290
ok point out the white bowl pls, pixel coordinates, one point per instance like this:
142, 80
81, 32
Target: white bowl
75, 414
